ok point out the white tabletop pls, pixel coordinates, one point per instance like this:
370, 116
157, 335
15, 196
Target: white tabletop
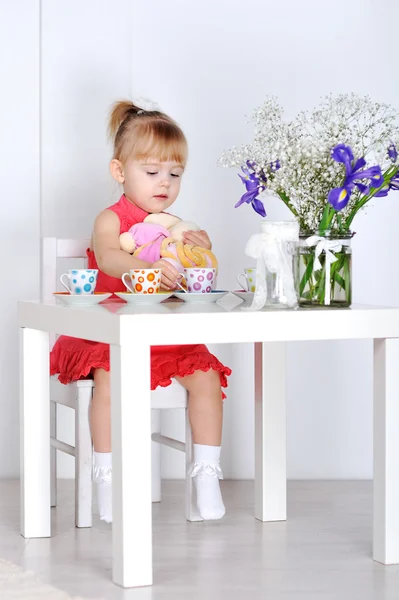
227, 321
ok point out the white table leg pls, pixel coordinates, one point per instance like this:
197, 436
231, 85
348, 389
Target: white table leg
270, 432
156, 480
83, 456
35, 434
53, 455
131, 464
386, 451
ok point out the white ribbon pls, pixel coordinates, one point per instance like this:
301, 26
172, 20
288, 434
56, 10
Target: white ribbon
145, 104
328, 247
102, 474
270, 248
201, 468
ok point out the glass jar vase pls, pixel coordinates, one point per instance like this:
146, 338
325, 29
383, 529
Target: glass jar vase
323, 269
274, 249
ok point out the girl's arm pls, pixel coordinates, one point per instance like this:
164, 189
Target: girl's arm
110, 258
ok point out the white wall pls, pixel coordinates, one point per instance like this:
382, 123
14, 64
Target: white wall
85, 67
20, 201
217, 63
209, 64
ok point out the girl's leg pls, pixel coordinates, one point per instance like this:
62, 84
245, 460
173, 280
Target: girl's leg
205, 408
100, 419
100, 412
206, 418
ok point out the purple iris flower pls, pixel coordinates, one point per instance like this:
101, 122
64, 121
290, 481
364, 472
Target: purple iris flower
253, 183
354, 173
392, 152
276, 165
383, 192
392, 185
250, 170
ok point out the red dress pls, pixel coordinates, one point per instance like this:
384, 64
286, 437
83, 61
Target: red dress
74, 358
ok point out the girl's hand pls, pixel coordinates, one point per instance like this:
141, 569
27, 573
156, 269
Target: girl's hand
169, 274
197, 238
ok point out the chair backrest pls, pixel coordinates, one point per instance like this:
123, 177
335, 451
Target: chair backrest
52, 250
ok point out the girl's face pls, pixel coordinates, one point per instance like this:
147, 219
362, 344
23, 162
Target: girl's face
152, 185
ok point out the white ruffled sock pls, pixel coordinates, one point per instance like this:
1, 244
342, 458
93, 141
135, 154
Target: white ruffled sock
103, 479
206, 473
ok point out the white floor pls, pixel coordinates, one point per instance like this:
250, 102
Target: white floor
323, 552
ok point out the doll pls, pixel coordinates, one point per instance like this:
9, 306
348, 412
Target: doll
160, 236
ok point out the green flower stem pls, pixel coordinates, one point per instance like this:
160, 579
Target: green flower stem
347, 279
326, 218
312, 286
339, 280
307, 276
288, 203
321, 287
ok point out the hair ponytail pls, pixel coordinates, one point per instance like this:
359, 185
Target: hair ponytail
120, 112
139, 133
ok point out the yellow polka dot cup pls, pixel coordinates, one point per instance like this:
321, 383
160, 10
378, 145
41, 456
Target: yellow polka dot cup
249, 279
142, 281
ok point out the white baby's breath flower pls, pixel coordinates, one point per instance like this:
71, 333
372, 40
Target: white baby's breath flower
303, 147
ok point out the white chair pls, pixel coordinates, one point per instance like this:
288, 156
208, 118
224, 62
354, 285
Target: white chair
78, 397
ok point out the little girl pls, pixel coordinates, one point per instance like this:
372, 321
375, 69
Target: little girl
150, 153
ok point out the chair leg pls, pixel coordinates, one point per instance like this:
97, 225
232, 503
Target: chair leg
53, 455
156, 457
192, 513
83, 458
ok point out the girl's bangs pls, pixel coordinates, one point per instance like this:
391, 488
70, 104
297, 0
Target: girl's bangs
162, 141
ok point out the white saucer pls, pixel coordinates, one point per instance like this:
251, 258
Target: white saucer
195, 298
143, 298
80, 300
243, 295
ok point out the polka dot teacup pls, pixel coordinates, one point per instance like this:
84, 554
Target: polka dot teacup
249, 277
199, 281
143, 281
80, 281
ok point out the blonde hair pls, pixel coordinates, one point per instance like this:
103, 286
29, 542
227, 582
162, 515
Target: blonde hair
140, 134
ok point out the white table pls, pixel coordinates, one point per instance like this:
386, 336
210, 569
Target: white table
131, 331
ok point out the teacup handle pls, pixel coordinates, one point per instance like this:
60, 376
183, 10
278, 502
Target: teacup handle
64, 284
127, 285
244, 287
180, 286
